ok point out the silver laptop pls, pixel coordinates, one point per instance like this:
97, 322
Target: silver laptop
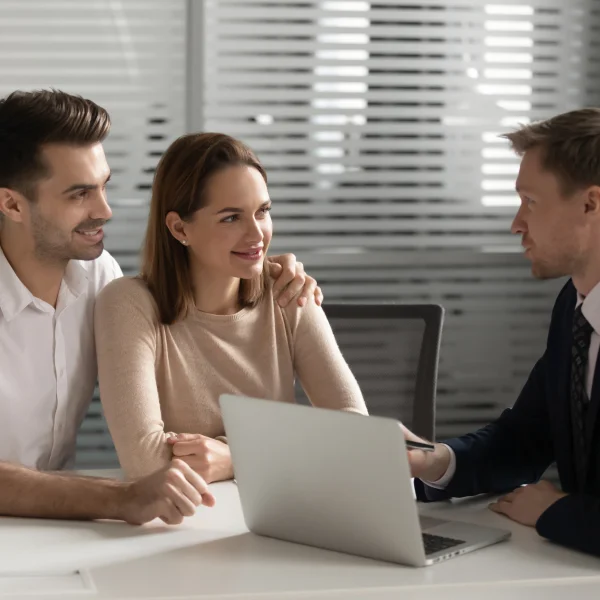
336, 480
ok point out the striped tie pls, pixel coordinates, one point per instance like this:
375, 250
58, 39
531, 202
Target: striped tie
582, 332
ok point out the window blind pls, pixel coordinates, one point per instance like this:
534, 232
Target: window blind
378, 123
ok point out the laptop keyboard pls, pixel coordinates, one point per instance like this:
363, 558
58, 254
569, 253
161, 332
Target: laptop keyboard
436, 543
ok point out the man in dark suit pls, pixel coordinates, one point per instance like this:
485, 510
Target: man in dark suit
556, 416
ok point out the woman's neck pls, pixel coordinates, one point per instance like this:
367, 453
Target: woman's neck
214, 294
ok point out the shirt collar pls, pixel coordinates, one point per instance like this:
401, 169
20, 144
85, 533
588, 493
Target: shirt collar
591, 307
76, 277
14, 295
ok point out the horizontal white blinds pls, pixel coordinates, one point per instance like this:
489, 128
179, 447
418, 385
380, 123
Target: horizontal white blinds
128, 56
378, 124
378, 121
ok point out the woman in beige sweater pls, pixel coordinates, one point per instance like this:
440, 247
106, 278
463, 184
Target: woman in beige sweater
201, 320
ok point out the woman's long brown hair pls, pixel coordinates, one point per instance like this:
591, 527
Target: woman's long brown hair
180, 186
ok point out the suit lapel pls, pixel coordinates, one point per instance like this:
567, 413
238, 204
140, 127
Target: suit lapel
562, 402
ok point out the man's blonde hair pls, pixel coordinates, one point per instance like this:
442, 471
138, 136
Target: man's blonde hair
570, 144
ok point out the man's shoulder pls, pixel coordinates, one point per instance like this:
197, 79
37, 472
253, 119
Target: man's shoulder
101, 271
565, 301
562, 315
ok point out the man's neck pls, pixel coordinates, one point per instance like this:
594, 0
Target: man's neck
42, 279
586, 280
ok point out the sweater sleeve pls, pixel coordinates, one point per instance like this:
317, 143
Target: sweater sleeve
318, 362
126, 327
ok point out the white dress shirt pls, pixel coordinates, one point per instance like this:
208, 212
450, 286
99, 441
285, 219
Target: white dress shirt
591, 311
48, 363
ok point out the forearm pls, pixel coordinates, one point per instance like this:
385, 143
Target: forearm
498, 458
143, 453
573, 521
320, 366
28, 493
495, 459
515, 449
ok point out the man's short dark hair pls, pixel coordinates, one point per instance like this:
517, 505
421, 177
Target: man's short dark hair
28, 120
570, 145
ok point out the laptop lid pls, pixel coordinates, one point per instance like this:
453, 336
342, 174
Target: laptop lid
325, 478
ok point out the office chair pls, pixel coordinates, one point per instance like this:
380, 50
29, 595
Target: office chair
393, 351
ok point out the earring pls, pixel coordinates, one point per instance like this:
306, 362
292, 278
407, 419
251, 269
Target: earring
184, 242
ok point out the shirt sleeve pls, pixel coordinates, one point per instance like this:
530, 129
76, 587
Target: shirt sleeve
318, 362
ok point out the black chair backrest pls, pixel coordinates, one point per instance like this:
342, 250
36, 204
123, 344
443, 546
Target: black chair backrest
393, 351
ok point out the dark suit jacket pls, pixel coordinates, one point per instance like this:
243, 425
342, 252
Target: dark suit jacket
526, 439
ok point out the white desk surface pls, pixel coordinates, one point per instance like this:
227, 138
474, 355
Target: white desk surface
212, 555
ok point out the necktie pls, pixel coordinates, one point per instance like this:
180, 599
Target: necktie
582, 332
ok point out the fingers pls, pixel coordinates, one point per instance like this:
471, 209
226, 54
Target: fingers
208, 500
291, 281
170, 513
409, 435
195, 482
296, 286
318, 296
501, 507
174, 438
511, 496
308, 291
274, 269
418, 462
287, 271
184, 505
188, 448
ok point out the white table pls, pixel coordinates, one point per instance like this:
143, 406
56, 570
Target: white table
212, 555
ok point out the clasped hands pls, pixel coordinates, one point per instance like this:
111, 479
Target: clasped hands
210, 458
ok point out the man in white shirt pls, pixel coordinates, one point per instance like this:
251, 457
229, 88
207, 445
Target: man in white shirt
556, 418
53, 206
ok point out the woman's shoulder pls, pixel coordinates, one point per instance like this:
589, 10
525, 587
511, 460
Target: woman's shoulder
292, 313
126, 293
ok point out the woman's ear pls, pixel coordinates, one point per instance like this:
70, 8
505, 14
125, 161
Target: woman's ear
176, 226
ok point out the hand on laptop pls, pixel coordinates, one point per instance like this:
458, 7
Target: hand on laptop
208, 457
429, 466
169, 494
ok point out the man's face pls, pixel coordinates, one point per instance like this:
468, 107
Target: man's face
553, 227
66, 218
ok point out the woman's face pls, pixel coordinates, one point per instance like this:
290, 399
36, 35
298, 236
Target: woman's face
231, 233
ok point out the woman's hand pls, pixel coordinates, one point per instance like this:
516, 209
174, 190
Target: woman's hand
210, 458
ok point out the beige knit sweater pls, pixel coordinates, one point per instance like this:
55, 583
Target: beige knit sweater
158, 378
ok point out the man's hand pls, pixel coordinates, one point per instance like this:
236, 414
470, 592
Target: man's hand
526, 504
291, 281
429, 466
169, 494
211, 459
